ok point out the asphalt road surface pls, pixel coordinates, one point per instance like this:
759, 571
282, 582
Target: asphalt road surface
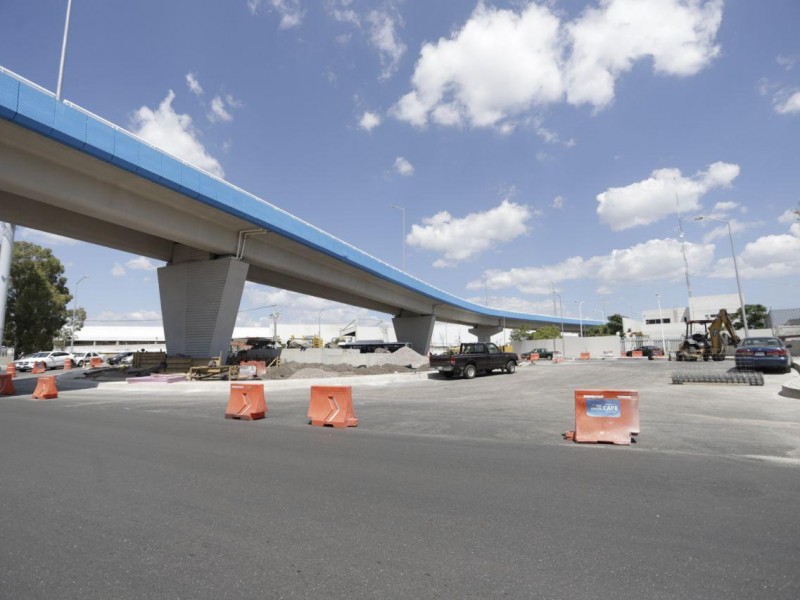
446, 489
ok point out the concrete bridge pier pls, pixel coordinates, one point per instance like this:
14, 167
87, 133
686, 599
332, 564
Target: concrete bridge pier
484, 333
200, 296
417, 329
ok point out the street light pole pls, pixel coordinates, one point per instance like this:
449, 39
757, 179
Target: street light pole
402, 210
319, 322
735, 267
74, 310
580, 313
661, 320
63, 52
561, 306
275, 316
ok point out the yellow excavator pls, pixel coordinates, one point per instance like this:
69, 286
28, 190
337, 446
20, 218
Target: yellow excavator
711, 343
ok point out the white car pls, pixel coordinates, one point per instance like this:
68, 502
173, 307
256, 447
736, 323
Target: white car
80, 359
52, 360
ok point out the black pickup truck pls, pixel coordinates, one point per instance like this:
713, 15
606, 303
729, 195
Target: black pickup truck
472, 358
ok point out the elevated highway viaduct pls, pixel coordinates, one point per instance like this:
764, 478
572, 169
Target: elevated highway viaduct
68, 172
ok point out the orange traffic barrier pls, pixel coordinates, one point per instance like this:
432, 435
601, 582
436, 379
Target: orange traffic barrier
7, 385
67, 364
534, 356
38, 367
45, 388
331, 406
260, 365
246, 402
11, 369
585, 356
610, 416
636, 353
95, 362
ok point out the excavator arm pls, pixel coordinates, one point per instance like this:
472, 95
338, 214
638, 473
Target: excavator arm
715, 333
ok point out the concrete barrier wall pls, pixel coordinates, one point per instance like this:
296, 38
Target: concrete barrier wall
573, 346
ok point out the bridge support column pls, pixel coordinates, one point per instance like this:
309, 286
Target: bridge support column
199, 301
484, 333
417, 330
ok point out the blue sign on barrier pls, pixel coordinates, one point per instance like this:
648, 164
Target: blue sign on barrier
602, 407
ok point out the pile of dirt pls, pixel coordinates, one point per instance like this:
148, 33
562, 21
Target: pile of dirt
404, 360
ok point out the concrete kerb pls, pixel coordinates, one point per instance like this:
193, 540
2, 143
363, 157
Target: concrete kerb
269, 384
791, 389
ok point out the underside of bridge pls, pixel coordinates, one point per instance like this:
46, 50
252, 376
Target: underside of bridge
211, 248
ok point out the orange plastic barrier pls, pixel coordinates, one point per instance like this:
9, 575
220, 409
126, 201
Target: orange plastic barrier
246, 402
585, 356
610, 416
260, 365
7, 385
636, 353
331, 406
11, 369
45, 388
38, 367
67, 364
95, 362
534, 356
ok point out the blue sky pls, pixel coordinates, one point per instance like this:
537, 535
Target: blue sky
532, 145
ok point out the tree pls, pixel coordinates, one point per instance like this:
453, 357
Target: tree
548, 332
64, 337
521, 334
756, 317
614, 324
37, 299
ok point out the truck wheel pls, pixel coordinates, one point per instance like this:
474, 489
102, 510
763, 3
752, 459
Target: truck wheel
511, 366
469, 371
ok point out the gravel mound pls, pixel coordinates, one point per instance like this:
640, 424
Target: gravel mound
404, 360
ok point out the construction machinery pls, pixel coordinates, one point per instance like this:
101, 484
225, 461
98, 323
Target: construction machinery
711, 343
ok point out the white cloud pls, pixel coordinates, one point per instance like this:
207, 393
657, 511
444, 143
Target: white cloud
721, 231
678, 35
767, 257
108, 316
503, 62
558, 202
789, 216
787, 103
290, 11
174, 133
651, 200
218, 111
795, 229
194, 85
403, 167
118, 270
383, 36
461, 239
369, 121
787, 62
654, 260
141, 263
721, 208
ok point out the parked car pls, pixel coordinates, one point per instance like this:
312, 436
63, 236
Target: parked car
121, 358
84, 358
647, 351
54, 359
543, 353
764, 353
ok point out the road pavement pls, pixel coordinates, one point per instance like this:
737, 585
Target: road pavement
446, 489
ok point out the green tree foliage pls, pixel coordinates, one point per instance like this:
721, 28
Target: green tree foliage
756, 317
521, 334
548, 332
37, 299
614, 324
